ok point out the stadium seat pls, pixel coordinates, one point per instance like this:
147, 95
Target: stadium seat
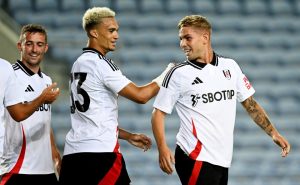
70, 20
231, 7
44, 18
255, 7
19, 5
203, 7
128, 6
101, 3
67, 37
72, 5
178, 6
297, 7
153, 6
46, 5
281, 7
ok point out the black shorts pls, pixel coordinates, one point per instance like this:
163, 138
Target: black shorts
94, 169
193, 172
32, 179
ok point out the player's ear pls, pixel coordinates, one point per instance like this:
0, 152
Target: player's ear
93, 33
206, 36
19, 46
46, 47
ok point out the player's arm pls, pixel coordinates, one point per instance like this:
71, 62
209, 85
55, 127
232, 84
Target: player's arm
21, 111
138, 140
142, 94
166, 158
55, 153
260, 117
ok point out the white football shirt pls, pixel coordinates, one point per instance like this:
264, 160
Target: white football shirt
204, 96
95, 83
10, 94
27, 144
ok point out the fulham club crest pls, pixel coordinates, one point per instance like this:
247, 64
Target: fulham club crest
227, 74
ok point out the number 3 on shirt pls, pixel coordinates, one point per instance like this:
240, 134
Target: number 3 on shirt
81, 77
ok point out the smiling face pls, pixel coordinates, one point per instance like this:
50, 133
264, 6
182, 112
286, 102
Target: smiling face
193, 41
33, 46
106, 35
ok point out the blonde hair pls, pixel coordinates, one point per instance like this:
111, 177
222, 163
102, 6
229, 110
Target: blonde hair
197, 21
93, 16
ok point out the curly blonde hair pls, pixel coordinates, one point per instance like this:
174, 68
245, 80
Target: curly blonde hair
93, 16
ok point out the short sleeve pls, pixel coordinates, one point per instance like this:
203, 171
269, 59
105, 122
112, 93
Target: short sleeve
168, 95
115, 80
244, 87
13, 92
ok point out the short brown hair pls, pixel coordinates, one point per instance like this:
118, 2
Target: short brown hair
195, 21
33, 28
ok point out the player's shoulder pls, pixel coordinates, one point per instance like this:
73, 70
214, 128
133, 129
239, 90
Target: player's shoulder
18, 68
4, 63
175, 72
225, 60
47, 78
95, 58
5, 67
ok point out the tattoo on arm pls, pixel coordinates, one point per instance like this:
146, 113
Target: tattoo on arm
258, 115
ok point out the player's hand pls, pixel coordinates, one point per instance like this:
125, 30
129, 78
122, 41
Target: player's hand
50, 93
166, 160
140, 141
283, 143
160, 78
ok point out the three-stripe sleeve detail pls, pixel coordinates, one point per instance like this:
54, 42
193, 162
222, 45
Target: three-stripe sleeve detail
169, 74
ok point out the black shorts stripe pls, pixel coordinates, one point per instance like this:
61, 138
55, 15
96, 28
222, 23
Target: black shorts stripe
90, 168
32, 179
209, 174
169, 74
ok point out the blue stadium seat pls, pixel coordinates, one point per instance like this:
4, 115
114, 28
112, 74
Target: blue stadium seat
15, 5
71, 20
44, 18
72, 5
128, 6
255, 23
231, 7
46, 5
101, 3
203, 7
288, 105
297, 7
256, 7
281, 7
178, 6
153, 6
127, 21
67, 37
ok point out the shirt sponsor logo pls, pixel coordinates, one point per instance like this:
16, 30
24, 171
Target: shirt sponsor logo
44, 107
213, 97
